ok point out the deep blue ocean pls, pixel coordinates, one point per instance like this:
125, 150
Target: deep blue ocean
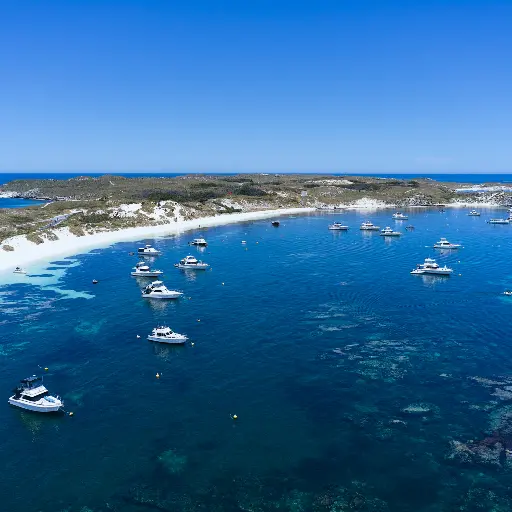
357, 386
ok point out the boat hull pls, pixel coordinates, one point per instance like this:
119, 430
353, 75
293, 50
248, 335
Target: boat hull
342, 228
166, 296
432, 272
168, 341
191, 267
22, 404
147, 274
390, 234
370, 229
455, 246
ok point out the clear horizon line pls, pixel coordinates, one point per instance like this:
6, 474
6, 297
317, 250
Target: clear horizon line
251, 172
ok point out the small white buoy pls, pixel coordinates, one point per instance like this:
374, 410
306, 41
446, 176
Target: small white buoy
198, 319
45, 369
192, 343
71, 414
222, 284
138, 336
234, 417
157, 375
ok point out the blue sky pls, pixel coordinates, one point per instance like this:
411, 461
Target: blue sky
256, 85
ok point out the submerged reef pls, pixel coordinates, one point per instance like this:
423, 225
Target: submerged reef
172, 462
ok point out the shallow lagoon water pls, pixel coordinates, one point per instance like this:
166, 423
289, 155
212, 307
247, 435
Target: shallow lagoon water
351, 379
12, 202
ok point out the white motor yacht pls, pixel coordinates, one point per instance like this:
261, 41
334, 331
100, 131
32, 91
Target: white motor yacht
368, 226
400, 216
19, 270
157, 290
389, 232
474, 213
431, 267
338, 226
201, 242
444, 244
33, 396
191, 263
148, 250
167, 335
499, 221
142, 269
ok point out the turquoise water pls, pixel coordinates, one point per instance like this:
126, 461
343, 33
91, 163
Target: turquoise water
352, 380
18, 203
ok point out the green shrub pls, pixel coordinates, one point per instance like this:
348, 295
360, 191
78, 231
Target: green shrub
249, 190
76, 230
50, 235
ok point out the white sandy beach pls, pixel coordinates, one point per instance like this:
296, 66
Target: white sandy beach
26, 253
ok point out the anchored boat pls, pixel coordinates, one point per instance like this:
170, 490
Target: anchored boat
33, 396
157, 290
142, 269
389, 232
201, 242
368, 226
498, 221
444, 244
165, 334
431, 267
148, 250
191, 263
338, 226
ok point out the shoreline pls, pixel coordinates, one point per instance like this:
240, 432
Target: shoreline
26, 252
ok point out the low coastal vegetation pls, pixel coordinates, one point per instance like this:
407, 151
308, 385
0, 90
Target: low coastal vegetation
90, 204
